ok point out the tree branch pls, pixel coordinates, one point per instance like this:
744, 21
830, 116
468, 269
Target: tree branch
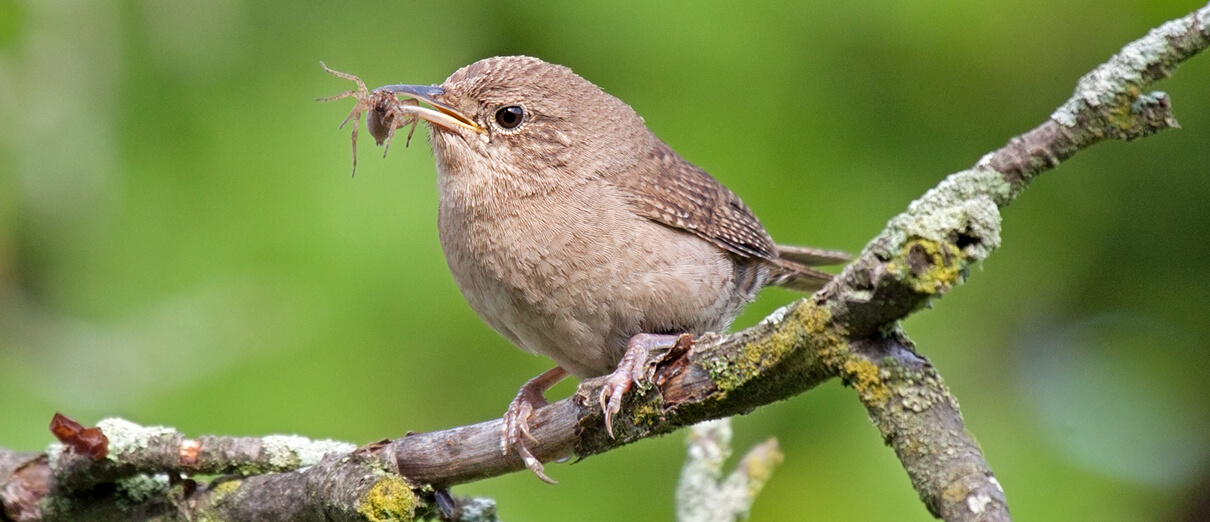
703, 495
847, 330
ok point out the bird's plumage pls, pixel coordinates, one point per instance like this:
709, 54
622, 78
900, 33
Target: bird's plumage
579, 228
574, 231
669, 190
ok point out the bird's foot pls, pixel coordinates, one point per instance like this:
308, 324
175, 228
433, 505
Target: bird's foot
516, 419
631, 369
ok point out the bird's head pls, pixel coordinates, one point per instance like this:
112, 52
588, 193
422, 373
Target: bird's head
518, 116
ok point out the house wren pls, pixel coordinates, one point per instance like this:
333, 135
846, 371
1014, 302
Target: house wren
574, 231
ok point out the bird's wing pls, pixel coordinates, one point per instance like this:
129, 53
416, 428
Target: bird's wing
674, 192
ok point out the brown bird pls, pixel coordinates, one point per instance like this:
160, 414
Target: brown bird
574, 231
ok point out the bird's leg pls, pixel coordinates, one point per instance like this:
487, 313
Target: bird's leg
631, 369
516, 420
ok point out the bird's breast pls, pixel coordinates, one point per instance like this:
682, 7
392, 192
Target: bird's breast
573, 273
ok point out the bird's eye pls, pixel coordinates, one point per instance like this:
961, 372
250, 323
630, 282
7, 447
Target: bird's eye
510, 117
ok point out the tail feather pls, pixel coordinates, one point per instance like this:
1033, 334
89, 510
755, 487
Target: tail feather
792, 269
812, 256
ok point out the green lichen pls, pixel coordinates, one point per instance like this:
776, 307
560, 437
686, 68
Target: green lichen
863, 375
649, 413
788, 352
1135, 67
866, 379
57, 506
223, 488
390, 499
141, 488
250, 468
929, 267
917, 390
830, 344
125, 436
291, 452
280, 451
804, 324
219, 491
965, 204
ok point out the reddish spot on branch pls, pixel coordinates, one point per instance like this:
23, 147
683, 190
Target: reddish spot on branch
84, 441
188, 452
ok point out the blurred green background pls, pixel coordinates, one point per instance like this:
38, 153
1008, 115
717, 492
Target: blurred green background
181, 243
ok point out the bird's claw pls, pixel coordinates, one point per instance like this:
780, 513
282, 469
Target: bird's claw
515, 423
632, 370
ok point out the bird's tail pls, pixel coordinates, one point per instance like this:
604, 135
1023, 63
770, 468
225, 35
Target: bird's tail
793, 267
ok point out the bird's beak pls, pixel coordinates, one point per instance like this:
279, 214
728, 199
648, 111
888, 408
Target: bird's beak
443, 115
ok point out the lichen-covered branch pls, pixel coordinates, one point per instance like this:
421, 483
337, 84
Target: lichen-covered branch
269, 478
135, 449
1110, 102
850, 330
703, 494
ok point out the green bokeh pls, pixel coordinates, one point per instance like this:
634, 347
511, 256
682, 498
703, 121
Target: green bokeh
181, 244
